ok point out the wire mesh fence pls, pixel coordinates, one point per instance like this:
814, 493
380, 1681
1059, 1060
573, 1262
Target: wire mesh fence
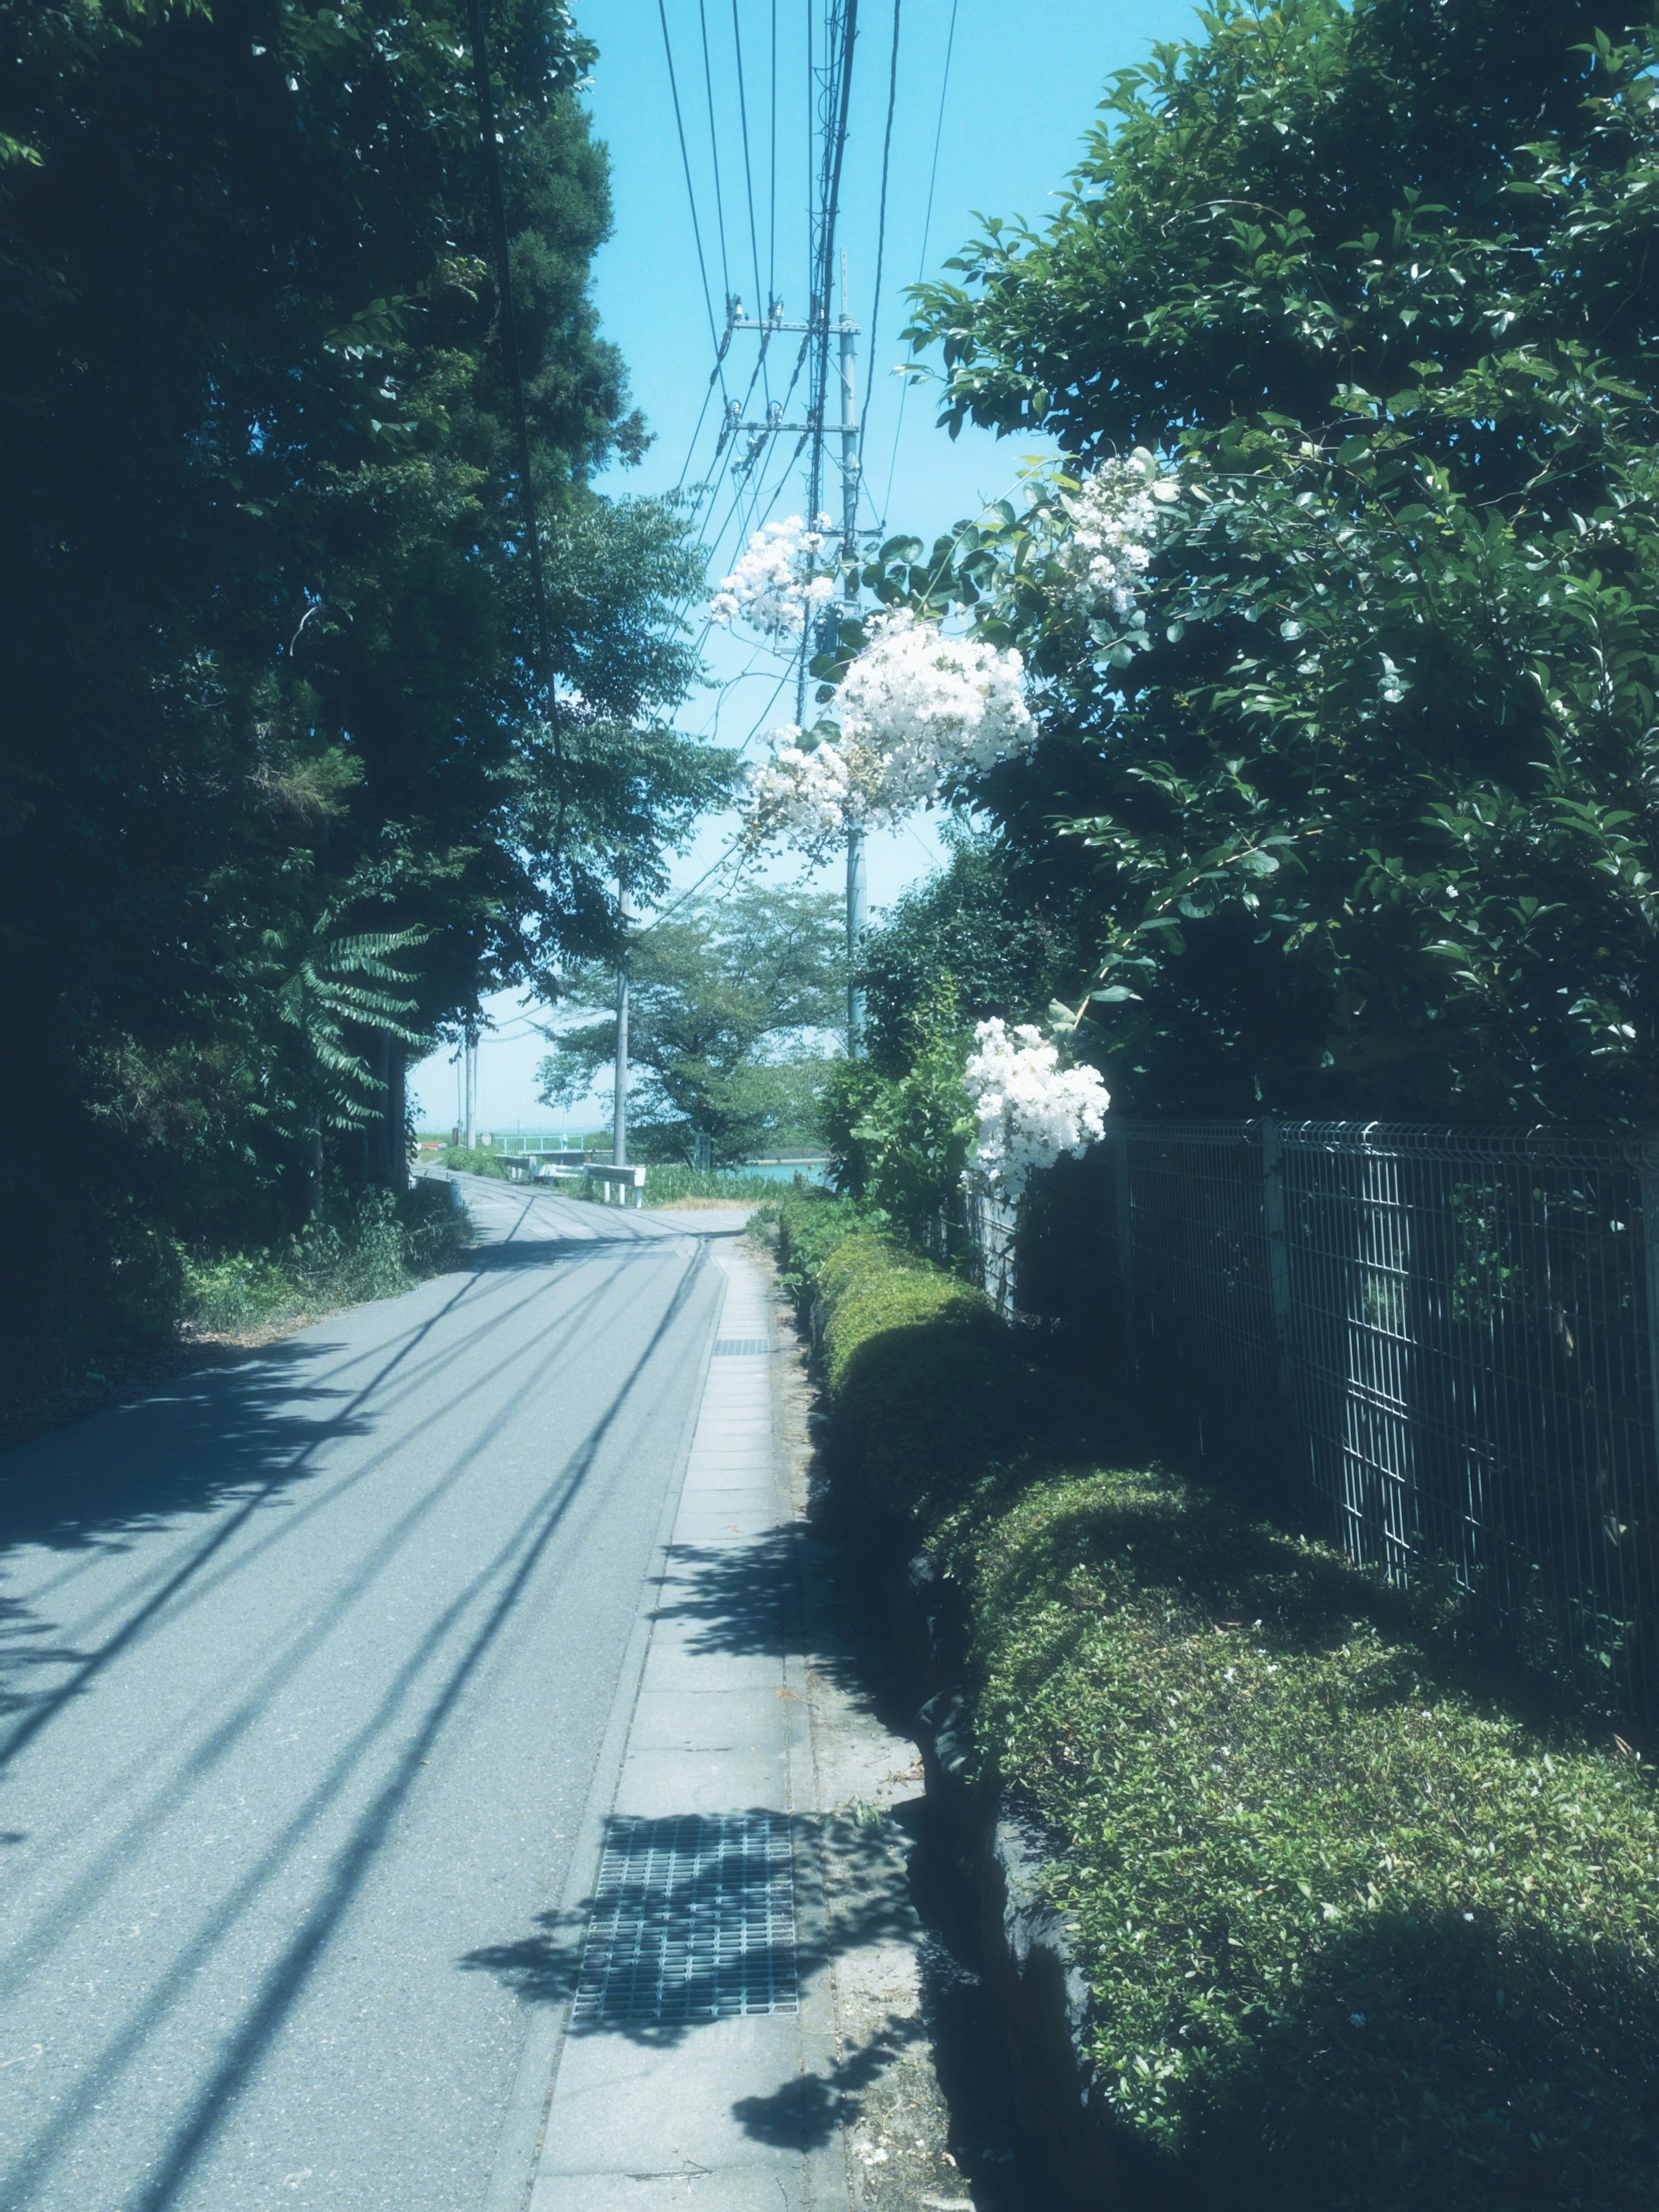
1453, 1338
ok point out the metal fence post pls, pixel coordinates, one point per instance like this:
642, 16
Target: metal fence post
1279, 1260
1126, 1243
1650, 1247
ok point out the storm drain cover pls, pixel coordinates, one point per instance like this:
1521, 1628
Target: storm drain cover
740, 1347
695, 1919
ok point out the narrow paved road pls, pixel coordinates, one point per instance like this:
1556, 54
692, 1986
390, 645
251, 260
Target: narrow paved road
306, 1665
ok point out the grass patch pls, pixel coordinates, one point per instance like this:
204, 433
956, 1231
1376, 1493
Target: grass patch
474, 1159
373, 1245
1365, 1927
671, 1181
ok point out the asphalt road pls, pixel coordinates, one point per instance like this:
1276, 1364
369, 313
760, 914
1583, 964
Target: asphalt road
305, 1665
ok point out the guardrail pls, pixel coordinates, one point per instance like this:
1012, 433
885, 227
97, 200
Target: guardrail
620, 1180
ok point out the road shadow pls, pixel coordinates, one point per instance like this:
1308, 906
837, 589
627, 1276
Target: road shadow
430, 1687
224, 1444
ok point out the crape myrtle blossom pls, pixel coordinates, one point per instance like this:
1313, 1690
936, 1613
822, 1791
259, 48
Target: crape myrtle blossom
803, 793
774, 587
1106, 537
934, 707
919, 712
1030, 1109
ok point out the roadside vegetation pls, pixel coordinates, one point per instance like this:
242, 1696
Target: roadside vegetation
366, 1245
670, 1183
1368, 1917
298, 769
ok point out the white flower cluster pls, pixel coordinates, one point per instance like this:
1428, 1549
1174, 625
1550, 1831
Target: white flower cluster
1031, 1110
804, 796
932, 706
918, 710
1113, 519
773, 587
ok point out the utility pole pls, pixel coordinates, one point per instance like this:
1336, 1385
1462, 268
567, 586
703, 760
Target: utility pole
818, 327
619, 1101
471, 1050
849, 536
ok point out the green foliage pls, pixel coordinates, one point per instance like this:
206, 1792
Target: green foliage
1359, 1932
476, 1160
366, 1245
1363, 797
281, 797
922, 1379
1362, 1928
668, 1181
900, 1142
730, 1000
993, 935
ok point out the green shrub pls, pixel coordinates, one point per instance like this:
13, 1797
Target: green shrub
672, 1179
1361, 1931
473, 1159
924, 1381
1365, 1927
370, 1245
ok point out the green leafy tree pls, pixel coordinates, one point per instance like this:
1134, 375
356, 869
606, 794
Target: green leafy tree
731, 1001
1363, 796
988, 934
269, 645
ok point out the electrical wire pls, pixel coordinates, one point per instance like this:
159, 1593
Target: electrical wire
691, 196
715, 150
748, 174
881, 235
921, 259
772, 215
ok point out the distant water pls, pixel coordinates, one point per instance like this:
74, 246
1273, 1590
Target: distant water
783, 1171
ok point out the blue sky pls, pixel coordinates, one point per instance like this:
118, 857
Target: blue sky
1024, 87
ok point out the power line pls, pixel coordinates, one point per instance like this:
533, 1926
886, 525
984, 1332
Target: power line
748, 174
772, 215
690, 194
881, 231
714, 148
921, 259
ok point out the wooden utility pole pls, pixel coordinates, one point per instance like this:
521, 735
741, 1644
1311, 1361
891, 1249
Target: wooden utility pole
619, 1099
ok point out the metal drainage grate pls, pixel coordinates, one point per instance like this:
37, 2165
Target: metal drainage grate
695, 1919
740, 1347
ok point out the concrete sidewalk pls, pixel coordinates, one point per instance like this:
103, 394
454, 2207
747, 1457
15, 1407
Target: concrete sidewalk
696, 2050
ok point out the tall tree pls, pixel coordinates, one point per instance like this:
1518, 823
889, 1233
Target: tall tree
271, 703
1363, 795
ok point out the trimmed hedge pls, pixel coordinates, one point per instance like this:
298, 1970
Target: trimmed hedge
922, 1377
1365, 1927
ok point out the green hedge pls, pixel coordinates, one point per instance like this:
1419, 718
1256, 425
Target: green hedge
923, 1379
1366, 1929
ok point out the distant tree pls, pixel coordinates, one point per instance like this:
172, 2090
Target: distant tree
734, 1004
